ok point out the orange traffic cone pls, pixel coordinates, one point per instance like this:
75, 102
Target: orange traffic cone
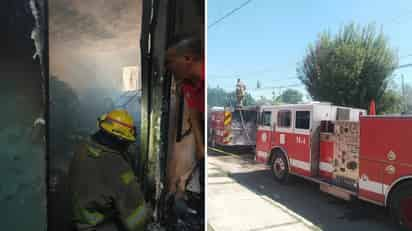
372, 110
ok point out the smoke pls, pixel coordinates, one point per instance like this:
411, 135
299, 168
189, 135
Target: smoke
90, 41
99, 25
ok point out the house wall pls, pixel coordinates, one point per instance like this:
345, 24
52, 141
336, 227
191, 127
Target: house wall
22, 133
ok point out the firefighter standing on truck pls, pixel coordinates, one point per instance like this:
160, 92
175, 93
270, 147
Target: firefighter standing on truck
105, 193
240, 92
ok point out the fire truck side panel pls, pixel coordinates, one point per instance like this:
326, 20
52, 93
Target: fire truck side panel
404, 170
264, 137
326, 158
370, 182
263, 145
298, 150
220, 116
383, 139
218, 126
385, 142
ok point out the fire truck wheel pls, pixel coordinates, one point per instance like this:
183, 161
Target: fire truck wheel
280, 168
401, 206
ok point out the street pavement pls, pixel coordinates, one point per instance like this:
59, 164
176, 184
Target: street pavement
242, 195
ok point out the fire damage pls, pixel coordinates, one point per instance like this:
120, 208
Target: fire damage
81, 60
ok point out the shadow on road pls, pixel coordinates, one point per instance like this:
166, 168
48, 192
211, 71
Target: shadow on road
305, 199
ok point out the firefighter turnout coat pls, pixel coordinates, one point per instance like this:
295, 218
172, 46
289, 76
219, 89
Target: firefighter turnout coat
105, 191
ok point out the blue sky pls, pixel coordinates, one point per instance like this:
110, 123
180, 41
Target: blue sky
266, 39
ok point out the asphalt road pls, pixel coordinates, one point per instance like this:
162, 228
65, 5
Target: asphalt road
302, 197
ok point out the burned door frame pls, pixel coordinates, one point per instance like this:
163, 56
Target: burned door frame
155, 99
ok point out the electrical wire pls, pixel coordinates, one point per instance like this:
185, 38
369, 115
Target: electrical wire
214, 23
272, 87
405, 56
405, 65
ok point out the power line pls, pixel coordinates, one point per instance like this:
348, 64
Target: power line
282, 86
228, 14
405, 56
270, 87
269, 79
405, 65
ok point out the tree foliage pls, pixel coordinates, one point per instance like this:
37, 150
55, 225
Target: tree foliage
219, 97
350, 68
391, 102
408, 97
290, 96
264, 101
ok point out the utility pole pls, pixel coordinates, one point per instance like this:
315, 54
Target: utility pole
403, 94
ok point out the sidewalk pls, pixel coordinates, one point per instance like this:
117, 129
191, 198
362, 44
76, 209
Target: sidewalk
232, 206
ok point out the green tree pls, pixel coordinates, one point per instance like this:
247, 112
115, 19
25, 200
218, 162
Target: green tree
276, 99
408, 97
350, 68
247, 101
216, 97
219, 97
390, 103
264, 101
290, 96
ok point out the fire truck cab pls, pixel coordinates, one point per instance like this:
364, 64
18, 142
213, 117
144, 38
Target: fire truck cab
292, 131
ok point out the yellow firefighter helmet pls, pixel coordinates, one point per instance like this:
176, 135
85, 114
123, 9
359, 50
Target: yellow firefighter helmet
118, 123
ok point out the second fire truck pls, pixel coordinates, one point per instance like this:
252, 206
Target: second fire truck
233, 127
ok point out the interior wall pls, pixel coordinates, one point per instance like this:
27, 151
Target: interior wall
90, 44
23, 199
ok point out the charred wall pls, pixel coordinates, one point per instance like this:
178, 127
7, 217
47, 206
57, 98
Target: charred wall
22, 138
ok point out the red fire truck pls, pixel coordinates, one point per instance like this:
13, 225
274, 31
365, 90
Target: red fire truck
350, 154
230, 127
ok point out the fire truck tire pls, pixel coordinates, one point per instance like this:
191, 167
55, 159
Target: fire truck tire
280, 169
401, 206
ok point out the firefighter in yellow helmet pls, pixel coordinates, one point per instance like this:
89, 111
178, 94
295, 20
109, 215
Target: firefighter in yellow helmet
104, 189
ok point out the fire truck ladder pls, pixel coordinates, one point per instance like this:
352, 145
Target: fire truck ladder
243, 125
